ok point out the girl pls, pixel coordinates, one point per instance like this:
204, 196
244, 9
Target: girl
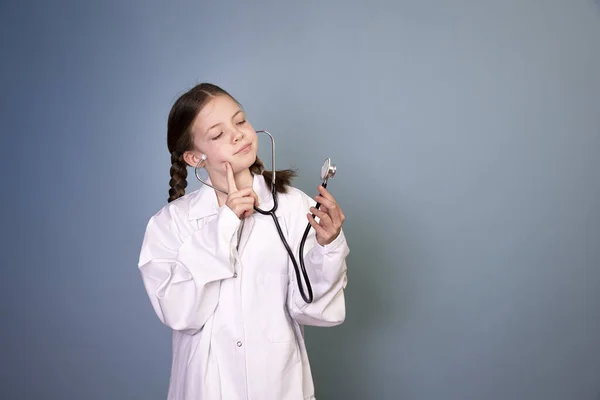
218, 274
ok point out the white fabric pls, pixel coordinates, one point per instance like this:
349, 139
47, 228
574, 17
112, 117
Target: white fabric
237, 316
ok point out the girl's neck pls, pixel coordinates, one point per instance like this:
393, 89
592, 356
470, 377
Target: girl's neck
243, 179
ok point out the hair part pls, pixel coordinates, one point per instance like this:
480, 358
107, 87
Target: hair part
179, 140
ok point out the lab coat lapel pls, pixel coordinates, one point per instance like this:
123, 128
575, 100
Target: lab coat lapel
203, 203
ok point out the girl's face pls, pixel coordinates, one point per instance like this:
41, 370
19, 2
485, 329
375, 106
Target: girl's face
222, 132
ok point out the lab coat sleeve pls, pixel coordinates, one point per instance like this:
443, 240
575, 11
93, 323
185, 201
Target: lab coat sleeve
327, 270
182, 269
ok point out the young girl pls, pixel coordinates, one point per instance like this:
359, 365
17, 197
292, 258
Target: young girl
218, 274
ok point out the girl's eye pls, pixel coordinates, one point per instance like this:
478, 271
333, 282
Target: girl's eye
242, 122
218, 136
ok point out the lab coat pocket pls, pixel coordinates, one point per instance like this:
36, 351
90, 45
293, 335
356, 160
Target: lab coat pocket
278, 324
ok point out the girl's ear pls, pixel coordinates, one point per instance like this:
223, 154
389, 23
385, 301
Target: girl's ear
192, 159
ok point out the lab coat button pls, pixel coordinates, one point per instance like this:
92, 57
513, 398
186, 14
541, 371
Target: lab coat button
235, 274
239, 344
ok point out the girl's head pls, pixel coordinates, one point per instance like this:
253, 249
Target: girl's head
207, 122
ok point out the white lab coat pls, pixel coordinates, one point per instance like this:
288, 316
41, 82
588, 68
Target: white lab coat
237, 316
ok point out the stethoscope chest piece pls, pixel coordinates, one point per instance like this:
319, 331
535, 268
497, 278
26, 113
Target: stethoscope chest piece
327, 170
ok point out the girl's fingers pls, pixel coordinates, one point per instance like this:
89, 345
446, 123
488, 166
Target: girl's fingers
319, 213
231, 186
331, 208
321, 232
325, 193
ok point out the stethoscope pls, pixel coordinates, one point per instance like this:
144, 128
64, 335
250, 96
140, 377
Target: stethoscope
327, 171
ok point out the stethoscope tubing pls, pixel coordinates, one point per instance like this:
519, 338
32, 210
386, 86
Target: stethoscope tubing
308, 298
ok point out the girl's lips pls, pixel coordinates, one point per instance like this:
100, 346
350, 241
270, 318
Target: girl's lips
245, 149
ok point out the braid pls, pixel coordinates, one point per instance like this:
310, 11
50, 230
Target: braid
178, 180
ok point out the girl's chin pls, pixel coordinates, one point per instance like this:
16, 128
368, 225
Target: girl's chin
243, 164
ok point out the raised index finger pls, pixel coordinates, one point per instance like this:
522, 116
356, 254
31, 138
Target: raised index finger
325, 193
231, 187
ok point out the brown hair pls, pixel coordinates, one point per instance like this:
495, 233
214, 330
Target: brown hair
179, 140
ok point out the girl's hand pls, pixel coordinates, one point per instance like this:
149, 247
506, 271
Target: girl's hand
330, 216
241, 202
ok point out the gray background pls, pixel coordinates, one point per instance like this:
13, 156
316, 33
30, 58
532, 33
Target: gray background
466, 136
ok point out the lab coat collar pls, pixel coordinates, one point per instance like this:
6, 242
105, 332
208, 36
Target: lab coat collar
204, 201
